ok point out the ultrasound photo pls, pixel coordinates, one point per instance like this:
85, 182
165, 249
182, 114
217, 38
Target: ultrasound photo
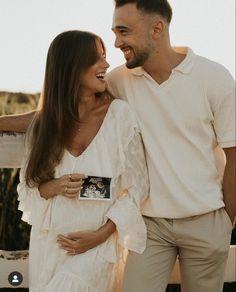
96, 188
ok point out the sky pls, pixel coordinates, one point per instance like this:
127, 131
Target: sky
27, 28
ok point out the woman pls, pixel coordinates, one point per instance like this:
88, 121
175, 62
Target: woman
81, 134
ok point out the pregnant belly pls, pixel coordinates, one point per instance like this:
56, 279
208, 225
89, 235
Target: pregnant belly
69, 215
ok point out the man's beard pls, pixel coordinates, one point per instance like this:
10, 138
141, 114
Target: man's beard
138, 60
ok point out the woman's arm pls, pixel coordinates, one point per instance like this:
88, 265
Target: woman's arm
79, 242
124, 216
67, 185
34, 202
16, 123
126, 211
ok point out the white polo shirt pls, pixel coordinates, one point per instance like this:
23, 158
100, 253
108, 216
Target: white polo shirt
182, 120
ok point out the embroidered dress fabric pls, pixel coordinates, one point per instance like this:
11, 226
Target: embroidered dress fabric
117, 152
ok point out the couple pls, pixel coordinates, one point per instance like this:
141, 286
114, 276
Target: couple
183, 106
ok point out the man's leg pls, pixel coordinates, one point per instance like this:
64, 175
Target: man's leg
203, 251
150, 271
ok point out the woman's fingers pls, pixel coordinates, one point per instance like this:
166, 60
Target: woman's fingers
71, 191
66, 243
77, 176
71, 246
74, 177
74, 185
68, 185
70, 196
71, 185
79, 242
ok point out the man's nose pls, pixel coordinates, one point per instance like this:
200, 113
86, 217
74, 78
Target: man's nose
118, 42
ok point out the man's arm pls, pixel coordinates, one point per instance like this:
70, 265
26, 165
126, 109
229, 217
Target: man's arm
229, 182
16, 123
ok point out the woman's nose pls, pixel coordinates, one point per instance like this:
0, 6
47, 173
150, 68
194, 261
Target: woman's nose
106, 64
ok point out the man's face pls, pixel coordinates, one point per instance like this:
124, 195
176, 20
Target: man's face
132, 35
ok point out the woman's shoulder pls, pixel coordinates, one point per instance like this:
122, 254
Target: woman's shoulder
121, 106
123, 114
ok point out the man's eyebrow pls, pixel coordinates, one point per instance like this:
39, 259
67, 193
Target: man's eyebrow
119, 27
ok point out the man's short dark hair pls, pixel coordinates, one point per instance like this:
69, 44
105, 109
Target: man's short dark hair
161, 7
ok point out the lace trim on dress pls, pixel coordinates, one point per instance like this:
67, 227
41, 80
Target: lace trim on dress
125, 212
36, 210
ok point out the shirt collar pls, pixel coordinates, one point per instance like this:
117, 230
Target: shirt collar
184, 67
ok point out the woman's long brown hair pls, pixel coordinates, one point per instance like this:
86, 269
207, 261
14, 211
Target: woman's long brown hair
69, 55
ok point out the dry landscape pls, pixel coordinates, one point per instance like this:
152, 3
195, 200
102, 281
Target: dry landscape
17, 102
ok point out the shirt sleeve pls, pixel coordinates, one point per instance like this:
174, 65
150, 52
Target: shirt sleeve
125, 212
11, 149
35, 209
115, 80
220, 90
224, 121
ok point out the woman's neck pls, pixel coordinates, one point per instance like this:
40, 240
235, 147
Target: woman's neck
86, 104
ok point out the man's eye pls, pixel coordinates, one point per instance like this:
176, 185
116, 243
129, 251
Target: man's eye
123, 32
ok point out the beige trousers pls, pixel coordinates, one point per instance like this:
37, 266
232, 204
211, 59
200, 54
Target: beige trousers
201, 243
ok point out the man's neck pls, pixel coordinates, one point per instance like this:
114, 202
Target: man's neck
160, 66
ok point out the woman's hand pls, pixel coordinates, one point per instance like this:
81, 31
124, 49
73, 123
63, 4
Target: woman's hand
68, 185
80, 242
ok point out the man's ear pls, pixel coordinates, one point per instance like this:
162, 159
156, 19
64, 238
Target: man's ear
158, 27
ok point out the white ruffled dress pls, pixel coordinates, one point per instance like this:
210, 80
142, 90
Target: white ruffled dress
117, 152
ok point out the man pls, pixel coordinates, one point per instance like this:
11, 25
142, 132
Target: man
185, 107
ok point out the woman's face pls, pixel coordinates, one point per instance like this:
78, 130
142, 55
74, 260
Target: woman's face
92, 80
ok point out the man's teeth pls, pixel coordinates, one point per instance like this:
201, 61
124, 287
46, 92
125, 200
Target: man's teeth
126, 52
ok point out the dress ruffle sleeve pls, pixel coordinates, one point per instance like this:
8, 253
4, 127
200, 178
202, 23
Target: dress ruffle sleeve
11, 149
125, 212
36, 210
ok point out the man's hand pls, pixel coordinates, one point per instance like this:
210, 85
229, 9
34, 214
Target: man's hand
229, 183
80, 242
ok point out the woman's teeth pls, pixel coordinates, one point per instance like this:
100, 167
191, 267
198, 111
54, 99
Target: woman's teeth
100, 75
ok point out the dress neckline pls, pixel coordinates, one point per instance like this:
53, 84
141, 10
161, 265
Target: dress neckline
97, 134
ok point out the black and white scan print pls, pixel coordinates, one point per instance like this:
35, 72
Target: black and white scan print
96, 188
